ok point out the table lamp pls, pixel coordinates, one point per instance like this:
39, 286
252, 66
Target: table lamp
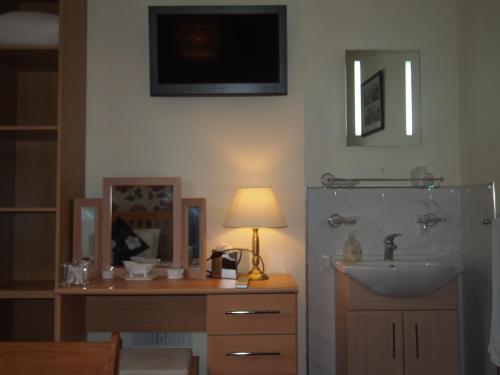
255, 208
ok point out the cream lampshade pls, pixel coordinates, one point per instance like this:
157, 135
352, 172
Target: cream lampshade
255, 208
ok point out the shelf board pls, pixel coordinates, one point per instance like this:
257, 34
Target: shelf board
24, 47
28, 128
37, 1
29, 132
27, 290
30, 57
28, 210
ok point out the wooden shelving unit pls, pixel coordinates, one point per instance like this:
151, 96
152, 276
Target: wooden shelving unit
42, 142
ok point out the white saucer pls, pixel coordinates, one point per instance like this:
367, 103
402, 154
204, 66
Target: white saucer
139, 278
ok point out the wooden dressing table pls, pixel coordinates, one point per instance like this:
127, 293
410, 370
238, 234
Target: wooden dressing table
249, 331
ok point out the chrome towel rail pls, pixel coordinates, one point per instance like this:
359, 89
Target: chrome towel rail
329, 180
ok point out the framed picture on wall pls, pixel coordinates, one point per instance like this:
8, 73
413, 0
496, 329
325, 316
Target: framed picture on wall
372, 104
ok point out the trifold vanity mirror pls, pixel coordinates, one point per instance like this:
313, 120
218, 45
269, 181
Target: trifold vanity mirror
383, 98
143, 220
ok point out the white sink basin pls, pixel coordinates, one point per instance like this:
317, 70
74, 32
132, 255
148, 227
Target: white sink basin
400, 278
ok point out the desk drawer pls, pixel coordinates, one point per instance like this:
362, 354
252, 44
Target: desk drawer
250, 355
146, 313
251, 313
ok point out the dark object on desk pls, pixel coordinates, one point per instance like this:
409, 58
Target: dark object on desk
224, 264
126, 242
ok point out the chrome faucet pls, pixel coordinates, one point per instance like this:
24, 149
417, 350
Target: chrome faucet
390, 246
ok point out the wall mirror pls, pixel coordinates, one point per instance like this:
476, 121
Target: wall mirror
87, 215
383, 98
194, 237
142, 221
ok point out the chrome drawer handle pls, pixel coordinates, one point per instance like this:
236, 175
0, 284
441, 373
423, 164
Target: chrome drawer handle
252, 312
247, 354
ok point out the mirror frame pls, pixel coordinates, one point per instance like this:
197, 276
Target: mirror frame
78, 204
201, 203
110, 182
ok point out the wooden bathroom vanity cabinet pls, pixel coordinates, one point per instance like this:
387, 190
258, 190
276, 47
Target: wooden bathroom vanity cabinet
378, 335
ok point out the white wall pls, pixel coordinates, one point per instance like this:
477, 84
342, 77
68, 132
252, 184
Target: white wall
334, 26
479, 62
219, 144
479, 57
214, 144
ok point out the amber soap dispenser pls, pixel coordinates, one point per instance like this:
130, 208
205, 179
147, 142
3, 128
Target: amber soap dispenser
352, 251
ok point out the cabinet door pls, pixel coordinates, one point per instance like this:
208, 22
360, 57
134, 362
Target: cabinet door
375, 343
431, 342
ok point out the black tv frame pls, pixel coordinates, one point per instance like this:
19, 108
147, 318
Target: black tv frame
218, 89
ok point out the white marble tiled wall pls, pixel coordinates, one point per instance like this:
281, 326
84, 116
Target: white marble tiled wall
381, 211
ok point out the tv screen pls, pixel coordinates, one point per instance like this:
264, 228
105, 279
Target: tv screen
230, 50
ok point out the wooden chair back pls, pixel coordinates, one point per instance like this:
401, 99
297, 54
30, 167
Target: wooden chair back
60, 358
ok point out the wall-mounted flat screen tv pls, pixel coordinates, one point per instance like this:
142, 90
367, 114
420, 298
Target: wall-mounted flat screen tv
218, 50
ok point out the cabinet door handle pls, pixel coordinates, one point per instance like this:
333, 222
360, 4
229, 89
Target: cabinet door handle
252, 312
394, 340
251, 354
417, 341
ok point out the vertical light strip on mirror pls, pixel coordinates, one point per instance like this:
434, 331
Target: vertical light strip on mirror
357, 97
409, 99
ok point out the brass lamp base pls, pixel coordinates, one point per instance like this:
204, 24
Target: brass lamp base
256, 274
